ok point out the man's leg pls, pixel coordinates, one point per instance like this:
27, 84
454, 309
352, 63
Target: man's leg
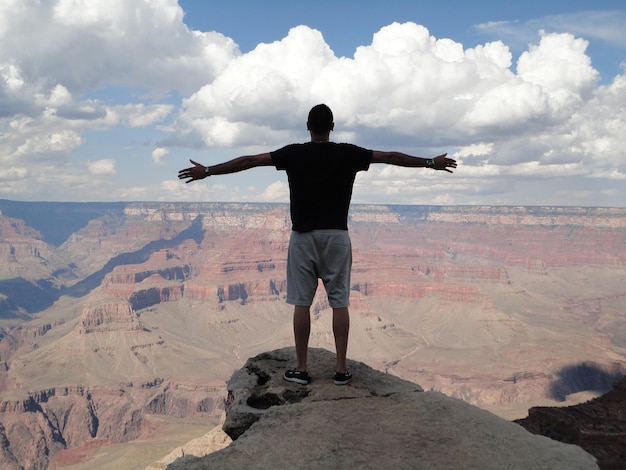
301, 332
341, 328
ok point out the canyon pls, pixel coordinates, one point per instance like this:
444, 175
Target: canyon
120, 320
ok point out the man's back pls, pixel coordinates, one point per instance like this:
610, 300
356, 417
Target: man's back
321, 176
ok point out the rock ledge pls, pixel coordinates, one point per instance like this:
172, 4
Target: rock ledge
377, 421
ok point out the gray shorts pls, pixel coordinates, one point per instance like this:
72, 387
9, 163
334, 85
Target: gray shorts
320, 254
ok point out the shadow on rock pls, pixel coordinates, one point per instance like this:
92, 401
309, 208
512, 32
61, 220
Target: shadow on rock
585, 376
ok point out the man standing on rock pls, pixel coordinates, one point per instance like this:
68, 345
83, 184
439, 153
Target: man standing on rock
321, 176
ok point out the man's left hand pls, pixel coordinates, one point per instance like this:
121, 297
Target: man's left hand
442, 162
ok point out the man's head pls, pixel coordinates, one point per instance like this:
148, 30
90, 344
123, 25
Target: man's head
320, 120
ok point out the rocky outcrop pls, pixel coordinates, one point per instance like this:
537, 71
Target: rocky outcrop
109, 316
377, 421
36, 428
598, 426
25, 254
216, 439
46, 422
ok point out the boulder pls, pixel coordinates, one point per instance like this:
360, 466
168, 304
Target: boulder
376, 421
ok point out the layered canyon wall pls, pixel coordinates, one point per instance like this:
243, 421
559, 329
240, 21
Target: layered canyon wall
499, 306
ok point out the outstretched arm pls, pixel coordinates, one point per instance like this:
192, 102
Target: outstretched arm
199, 171
441, 162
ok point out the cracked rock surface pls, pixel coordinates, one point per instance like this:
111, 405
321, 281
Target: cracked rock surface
377, 421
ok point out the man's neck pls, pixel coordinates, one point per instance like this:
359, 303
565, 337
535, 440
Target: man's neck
319, 138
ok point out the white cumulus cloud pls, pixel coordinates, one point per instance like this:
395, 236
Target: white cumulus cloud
159, 153
102, 167
129, 78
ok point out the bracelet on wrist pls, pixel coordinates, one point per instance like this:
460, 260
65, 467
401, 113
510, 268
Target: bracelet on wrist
430, 163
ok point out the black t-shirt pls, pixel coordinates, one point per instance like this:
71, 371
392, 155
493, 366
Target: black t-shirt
321, 176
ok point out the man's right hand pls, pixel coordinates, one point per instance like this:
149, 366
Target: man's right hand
195, 172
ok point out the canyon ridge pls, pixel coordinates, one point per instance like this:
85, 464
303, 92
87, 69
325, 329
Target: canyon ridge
120, 323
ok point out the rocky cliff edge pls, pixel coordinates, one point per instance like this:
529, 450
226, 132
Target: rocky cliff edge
377, 421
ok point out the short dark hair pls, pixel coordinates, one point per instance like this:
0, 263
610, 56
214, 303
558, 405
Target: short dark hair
320, 119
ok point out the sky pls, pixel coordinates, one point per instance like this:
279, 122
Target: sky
105, 100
